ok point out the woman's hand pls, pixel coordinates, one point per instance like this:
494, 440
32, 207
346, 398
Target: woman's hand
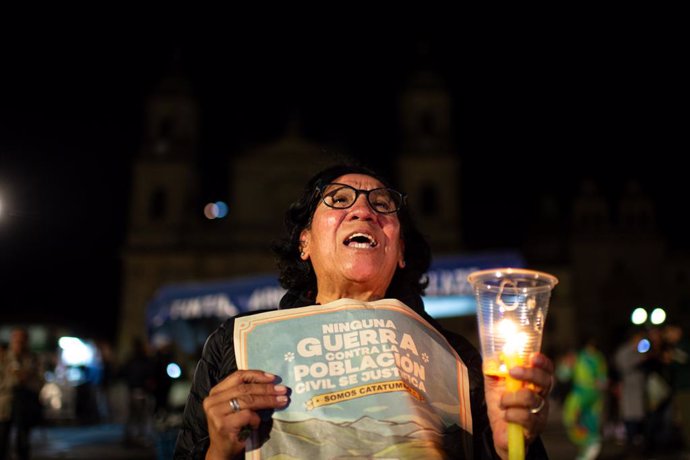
528, 407
231, 409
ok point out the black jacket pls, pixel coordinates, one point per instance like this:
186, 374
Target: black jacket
218, 361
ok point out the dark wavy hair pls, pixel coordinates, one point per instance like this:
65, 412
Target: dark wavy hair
297, 275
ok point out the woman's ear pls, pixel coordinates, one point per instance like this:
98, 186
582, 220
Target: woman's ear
304, 238
401, 255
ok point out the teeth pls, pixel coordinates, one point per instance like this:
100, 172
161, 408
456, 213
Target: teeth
370, 243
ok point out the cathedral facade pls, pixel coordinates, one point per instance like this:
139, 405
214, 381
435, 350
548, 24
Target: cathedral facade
168, 239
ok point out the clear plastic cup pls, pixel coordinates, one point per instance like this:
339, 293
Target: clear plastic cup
512, 304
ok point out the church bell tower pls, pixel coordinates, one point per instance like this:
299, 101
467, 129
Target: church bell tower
428, 169
162, 197
165, 174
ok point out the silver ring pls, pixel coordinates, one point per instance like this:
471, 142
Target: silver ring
536, 410
235, 405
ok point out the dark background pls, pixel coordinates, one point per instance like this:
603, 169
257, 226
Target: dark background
531, 116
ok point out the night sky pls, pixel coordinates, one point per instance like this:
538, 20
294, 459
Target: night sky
535, 116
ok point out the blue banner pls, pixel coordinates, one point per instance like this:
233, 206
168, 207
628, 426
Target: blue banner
188, 312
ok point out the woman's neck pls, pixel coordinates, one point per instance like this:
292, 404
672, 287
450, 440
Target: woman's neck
356, 292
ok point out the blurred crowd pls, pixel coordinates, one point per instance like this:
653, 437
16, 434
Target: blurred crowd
145, 392
637, 395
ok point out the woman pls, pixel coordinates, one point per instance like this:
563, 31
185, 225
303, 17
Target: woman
350, 236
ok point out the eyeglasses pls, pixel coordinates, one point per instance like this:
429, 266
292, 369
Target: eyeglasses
382, 200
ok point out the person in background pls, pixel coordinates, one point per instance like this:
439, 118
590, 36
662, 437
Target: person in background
584, 405
629, 361
20, 383
138, 372
107, 375
162, 356
679, 363
659, 429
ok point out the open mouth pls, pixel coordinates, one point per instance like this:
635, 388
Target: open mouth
360, 240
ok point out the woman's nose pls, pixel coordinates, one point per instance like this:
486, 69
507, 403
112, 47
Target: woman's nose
361, 209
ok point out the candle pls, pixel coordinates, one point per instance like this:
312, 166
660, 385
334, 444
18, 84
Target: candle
512, 350
511, 309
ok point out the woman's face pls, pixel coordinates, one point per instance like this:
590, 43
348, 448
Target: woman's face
368, 261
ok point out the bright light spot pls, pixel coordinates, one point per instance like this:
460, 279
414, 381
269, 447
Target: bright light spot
210, 211
506, 328
643, 346
514, 341
516, 344
75, 352
222, 209
174, 371
658, 316
639, 316
216, 210
66, 342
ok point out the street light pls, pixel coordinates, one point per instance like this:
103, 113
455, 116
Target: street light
643, 346
658, 316
639, 316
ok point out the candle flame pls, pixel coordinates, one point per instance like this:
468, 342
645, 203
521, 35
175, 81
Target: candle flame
514, 341
506, 328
